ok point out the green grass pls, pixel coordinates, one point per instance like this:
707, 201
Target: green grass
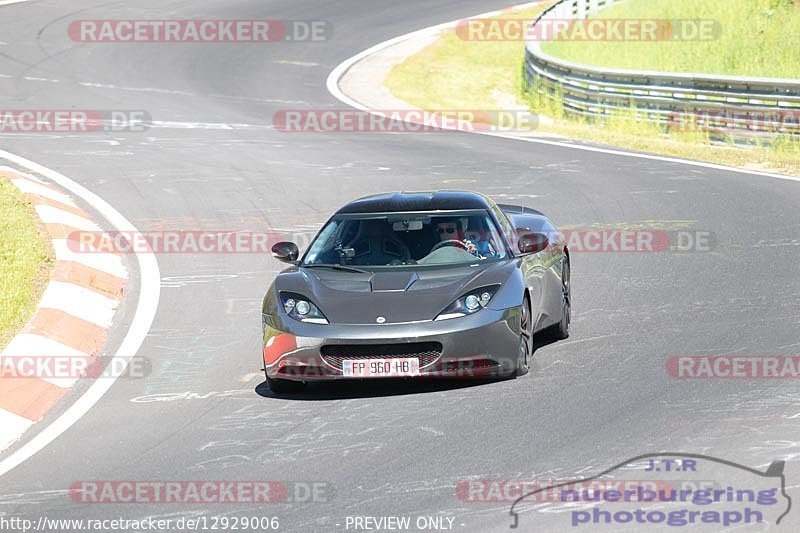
25, 261
453, 74
756, 38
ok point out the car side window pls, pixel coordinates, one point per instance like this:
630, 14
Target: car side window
555, 237
505, 226
532, 222
550, 230
323, 239
539, 224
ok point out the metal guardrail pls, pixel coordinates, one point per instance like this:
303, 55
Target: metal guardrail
733, 106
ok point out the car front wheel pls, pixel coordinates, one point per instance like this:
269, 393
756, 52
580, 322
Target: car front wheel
562, 328
525, 338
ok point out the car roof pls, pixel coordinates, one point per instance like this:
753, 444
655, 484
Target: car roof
418, 201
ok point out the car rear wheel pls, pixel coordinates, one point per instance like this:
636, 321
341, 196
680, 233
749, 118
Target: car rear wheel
525, 338
562, 328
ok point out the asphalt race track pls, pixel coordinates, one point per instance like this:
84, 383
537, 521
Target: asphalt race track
385, 448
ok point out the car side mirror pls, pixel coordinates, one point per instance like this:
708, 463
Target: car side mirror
285, 251
530, 242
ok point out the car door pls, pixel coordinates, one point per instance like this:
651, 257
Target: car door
540, 269
531, 265
553, 264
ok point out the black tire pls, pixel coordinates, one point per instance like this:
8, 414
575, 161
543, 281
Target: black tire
525, 351
561, 330
284, 386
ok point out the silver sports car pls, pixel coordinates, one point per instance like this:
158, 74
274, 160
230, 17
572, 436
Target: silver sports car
422, 284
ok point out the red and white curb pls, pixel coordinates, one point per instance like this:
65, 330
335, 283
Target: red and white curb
73, 315
148, 292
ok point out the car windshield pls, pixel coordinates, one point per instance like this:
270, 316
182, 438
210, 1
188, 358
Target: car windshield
396, 240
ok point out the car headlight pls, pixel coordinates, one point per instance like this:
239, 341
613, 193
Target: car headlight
300, 308
470, 303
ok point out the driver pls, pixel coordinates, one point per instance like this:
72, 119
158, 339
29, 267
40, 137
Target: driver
450, 229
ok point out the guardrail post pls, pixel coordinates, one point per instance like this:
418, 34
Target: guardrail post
581, 11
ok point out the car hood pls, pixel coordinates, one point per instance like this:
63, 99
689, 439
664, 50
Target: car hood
398, 296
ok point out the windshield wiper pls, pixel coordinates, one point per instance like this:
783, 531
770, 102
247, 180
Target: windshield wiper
337, 266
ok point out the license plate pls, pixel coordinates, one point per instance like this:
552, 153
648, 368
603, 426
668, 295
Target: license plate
379, 368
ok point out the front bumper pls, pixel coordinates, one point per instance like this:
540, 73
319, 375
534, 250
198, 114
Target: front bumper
484, 344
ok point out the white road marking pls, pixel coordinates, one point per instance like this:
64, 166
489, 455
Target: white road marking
189, 395
13, 427
182, 281
27, 186
340, 70
32, 345
247, 378
53, 215
297, 63
24, 175
9, 2
138, 89
146, 307
32, 78
109, 263
159, 90
80, 302
208, 125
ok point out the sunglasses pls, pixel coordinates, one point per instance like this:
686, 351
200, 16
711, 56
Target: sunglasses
450, 229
